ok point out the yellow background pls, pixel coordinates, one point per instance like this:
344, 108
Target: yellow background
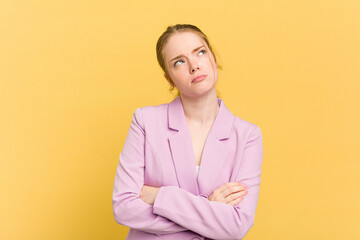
73, 72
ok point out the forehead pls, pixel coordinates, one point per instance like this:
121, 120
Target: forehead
182, 43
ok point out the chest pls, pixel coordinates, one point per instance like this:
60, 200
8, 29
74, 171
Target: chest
198, 139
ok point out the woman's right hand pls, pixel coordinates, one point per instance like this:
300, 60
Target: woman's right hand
230, 193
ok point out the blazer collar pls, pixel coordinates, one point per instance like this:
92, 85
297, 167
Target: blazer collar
214, 154
222, 124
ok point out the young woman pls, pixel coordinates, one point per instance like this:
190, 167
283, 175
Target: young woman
189, 169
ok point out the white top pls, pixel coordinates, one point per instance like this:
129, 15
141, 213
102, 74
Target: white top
197, 169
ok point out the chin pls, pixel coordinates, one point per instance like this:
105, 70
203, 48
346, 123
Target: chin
201, 93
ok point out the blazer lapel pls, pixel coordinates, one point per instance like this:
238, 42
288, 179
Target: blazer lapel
214, 153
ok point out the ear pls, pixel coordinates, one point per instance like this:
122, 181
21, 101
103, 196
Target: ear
166, 76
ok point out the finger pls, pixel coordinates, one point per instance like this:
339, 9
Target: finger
223, 191
234, 196
236, 201
227, 185
232, 190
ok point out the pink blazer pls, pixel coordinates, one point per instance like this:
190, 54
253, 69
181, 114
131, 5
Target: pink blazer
158, 152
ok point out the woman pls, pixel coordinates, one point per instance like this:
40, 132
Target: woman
189, 169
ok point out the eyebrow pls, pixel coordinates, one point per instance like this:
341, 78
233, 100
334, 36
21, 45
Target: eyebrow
183, 55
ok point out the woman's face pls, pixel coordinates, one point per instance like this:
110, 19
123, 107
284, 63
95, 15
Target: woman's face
187, 57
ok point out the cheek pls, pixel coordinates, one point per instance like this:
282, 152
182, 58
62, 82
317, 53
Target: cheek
178, 74
181, 70
213, 66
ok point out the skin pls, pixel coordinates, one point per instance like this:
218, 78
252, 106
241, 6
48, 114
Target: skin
199, 100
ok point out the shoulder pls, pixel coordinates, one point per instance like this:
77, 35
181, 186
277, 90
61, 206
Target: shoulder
150, 114
151, 111
240, 128
240, 123
245, 128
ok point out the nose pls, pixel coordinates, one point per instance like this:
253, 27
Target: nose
193, 69
194, 66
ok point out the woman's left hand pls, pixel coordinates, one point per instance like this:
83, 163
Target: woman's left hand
148, 194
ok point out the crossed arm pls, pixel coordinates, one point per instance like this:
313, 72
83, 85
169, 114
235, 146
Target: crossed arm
170, 209
229, 193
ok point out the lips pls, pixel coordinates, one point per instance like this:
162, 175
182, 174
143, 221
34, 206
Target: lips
199, 78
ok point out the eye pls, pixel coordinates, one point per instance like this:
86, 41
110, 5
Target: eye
202, 51
176, 63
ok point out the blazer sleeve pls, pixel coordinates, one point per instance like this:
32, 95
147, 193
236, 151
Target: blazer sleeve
212, 219
128, 208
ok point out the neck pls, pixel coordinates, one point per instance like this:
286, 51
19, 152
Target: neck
200, 111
